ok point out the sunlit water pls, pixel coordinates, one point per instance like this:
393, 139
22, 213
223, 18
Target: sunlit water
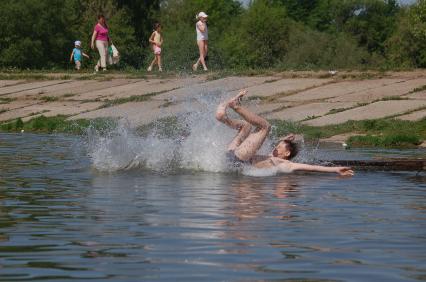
63, 219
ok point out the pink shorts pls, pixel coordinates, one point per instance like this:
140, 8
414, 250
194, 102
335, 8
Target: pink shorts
157, 50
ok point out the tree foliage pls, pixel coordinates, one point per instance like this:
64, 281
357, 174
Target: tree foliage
268, 33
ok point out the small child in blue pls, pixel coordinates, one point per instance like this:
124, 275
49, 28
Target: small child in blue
77, 53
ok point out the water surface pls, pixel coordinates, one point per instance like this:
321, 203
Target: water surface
63, 220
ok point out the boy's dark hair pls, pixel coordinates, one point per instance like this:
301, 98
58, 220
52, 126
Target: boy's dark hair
292, 147
157, 25
100, 16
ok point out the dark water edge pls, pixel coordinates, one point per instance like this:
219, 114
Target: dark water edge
61, 220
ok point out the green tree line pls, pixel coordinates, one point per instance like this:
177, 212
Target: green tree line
284, 34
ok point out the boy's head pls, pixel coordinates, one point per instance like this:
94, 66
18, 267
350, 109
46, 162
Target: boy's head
286, 148
157, 26
77, 44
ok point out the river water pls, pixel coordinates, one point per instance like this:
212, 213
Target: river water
63, 217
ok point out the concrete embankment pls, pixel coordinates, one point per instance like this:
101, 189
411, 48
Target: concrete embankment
313, 98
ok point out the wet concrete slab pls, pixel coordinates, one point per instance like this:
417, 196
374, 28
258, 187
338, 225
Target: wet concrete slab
340, 89
6, 83
140, 87
417, 95
136, 113
18, 104
371, 111
395, 89
69, 90
311, 110
264, 108
417, 115
49, 109
30, 86
285, 86
215, 87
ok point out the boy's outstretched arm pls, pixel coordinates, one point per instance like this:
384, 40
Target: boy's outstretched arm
343, 171
85, 55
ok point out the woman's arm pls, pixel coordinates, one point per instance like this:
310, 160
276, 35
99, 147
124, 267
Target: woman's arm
92, 45
201, 26
289, 166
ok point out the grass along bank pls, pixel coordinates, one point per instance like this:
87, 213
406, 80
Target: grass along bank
58, 124
383, 133
380, 133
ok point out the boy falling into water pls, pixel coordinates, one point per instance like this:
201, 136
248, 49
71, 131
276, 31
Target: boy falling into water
156, 41
76, 54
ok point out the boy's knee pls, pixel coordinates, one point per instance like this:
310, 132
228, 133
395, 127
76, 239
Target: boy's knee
246, 127
220, 116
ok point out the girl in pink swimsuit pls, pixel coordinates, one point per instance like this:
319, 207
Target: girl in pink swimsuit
156, 40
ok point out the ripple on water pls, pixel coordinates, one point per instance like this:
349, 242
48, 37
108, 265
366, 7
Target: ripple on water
62, 220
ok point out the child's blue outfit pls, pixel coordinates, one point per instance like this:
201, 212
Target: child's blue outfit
77, 55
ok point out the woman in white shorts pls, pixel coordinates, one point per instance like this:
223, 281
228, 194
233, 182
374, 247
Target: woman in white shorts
202, 40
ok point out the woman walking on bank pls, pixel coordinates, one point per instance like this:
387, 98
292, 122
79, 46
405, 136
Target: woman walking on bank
202, 40
100, 37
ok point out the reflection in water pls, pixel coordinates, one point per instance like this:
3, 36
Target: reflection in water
61, 220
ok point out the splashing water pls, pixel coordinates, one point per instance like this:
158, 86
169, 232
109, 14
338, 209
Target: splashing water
199, 145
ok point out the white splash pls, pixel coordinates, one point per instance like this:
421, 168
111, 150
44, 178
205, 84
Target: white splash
202, 146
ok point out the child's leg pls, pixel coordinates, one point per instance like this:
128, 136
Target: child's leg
152, 63
159, 62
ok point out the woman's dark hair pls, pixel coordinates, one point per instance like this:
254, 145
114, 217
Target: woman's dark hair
157, 25
101, 16
293, 148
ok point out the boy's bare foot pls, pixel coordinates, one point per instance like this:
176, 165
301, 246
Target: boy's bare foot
194, 67
221, 112
236, 101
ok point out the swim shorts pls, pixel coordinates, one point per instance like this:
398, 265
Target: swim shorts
234, 161
157, 50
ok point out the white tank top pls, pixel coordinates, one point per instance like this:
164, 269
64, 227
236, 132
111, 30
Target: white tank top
202, 35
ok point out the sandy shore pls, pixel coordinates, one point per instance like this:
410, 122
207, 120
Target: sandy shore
313, 98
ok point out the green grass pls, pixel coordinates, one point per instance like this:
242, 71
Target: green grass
387, 140
165, 127
390, 130
68, 95
378, 133
6, 100
335, 111
391, 98
57, 124
418, 89
49, 98
134, 98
